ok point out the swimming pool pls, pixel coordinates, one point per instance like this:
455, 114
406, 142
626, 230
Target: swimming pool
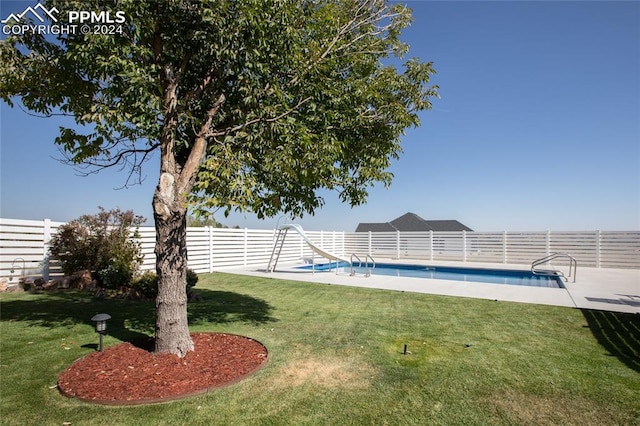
491, 276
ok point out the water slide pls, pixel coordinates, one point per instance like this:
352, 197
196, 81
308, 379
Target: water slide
312, 245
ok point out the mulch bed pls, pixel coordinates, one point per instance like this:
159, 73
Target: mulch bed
130, 374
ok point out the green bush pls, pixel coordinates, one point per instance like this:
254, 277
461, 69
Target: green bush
117, 274
106, 244
146, 284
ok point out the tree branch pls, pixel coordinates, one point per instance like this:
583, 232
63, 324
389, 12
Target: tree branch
122, 157
199, 150
208, 78
234, 129
361, 18
47, 115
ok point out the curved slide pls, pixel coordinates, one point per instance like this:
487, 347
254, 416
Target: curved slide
312, 245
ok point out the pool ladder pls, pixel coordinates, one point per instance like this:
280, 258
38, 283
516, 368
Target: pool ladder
277, 249
572, 263
366, 264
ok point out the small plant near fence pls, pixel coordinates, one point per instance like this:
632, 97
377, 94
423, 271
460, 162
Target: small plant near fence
107, 245
104, 244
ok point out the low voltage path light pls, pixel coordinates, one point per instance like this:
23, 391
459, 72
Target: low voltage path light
101, 325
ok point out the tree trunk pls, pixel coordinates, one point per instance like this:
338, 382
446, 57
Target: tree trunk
170, 213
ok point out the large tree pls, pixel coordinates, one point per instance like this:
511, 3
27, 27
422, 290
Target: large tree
251, 104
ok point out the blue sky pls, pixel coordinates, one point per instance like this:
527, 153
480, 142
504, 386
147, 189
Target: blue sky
537, 128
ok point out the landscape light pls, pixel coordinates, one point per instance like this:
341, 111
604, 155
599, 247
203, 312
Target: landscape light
101, 325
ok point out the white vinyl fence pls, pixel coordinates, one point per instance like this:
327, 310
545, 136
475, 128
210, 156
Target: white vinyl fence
24, 247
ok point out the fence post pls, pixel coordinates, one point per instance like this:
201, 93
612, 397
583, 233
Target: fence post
246, 247
397, 244
46, 239
369, 245
210, 251
548, 243
598, 242
431, 245
464, 245
504, 246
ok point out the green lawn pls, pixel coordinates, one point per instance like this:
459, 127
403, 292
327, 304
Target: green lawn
336, 358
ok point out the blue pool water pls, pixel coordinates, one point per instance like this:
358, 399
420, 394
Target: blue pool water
492, 276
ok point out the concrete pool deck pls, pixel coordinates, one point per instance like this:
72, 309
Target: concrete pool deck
616, 290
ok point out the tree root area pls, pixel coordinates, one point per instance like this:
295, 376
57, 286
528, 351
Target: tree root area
130, 374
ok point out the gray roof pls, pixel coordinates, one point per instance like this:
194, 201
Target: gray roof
375, 227
411, 222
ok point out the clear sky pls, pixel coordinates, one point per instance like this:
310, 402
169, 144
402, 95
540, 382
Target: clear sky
537, 128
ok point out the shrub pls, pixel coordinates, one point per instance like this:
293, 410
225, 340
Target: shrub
117, 274
146, 284
103, 244
192, 279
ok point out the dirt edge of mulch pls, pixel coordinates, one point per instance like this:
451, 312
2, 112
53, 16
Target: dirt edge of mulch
130, 374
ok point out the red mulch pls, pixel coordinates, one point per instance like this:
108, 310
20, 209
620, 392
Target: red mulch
129, 374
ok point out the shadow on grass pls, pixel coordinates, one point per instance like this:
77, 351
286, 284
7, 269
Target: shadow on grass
132, 320
223, 307
618, 333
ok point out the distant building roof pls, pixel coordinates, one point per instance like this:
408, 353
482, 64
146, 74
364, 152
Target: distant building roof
375, 227
411, 222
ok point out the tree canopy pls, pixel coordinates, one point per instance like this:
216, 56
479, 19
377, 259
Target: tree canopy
289, 95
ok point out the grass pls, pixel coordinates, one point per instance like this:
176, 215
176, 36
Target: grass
336, 357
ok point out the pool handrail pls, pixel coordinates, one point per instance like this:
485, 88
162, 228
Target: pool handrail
572, 262
366, 264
